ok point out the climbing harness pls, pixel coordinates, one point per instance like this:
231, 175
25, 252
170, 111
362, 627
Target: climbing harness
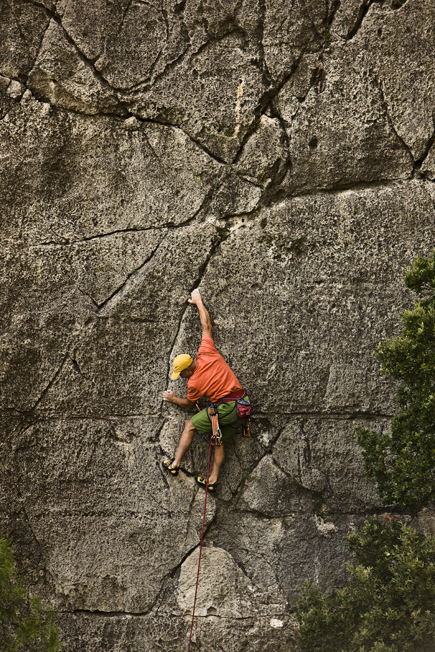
243, 407
200, 545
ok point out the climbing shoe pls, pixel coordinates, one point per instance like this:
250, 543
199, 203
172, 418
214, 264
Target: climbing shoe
166, 464
202, 483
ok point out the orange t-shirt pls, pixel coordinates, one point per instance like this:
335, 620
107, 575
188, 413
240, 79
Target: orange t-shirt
212, 377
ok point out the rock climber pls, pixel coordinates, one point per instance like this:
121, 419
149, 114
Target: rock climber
210, 376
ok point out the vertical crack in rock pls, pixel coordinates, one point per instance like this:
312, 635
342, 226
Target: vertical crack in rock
194, 285
75, 363
253, 127
54, 377
384, 104
270, 94
265, 69
165, 16
34, 59
12, 8
428, 147
263, 105
332, 11
204, 205
237, 458
365, 6
151, 73
153, 150
308, 16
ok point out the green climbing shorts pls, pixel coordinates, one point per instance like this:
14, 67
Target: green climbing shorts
228, 421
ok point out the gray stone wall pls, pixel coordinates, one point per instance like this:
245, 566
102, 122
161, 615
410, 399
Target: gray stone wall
277, 154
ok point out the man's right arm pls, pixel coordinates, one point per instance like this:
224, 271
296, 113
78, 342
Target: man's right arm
204, 317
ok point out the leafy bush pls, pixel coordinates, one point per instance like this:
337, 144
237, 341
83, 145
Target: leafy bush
388, 604
403, 462
25, 625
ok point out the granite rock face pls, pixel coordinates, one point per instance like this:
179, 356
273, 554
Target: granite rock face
278, 155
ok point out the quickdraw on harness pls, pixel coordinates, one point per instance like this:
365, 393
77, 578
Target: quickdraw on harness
245, 429
244, 411
216, 433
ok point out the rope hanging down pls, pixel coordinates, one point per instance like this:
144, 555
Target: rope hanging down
200, 545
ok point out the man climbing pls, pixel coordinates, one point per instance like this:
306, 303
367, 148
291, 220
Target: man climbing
209, 376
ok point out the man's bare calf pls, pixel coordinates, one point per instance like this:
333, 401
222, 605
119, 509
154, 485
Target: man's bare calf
184, 445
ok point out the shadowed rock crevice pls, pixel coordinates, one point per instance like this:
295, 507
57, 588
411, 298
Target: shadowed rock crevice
108, 614
418, 164
104, 235
362, 13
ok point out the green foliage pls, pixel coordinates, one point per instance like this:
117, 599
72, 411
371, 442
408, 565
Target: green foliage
388, 604
222, 231
25, 625
403, 462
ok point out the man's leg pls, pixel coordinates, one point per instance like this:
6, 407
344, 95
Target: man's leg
184, 443
218, 460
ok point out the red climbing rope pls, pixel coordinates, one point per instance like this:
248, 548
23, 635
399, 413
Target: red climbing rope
200, 545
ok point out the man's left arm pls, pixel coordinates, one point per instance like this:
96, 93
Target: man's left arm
171, 397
